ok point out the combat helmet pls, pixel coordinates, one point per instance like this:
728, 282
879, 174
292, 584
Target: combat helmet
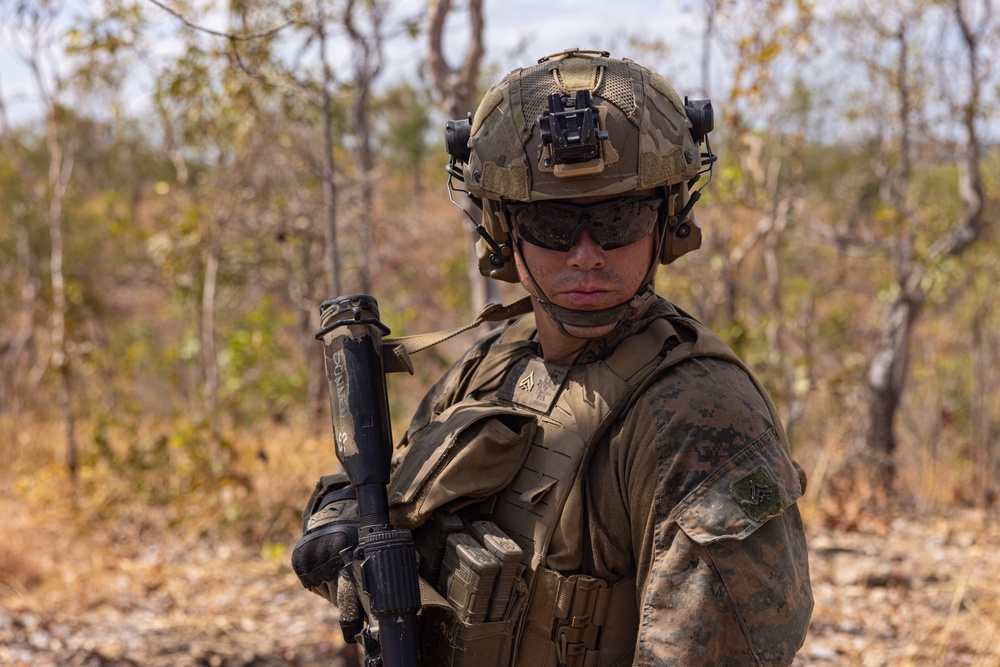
580, 123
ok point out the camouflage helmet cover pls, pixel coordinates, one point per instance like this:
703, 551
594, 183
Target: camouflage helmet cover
645, 119
648, 140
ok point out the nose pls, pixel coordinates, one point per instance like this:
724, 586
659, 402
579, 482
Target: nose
586, 255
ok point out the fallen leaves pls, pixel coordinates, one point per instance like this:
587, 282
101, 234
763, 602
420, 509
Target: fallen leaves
927, 592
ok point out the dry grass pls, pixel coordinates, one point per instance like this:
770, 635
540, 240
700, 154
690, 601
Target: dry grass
180, 563
186, 561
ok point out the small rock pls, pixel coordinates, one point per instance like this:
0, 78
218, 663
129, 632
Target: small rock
823, 653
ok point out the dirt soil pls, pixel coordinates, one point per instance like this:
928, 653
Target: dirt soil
921, 591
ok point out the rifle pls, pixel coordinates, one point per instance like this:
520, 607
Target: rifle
383, 569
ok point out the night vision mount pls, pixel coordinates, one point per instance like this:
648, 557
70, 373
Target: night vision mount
572, 136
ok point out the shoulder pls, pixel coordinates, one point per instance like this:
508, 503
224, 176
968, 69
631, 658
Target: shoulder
721, 490
707, 396
721, 467
688, 423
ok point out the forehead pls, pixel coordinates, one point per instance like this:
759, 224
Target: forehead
644, 192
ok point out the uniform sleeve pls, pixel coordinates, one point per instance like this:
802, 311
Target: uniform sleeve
722, 567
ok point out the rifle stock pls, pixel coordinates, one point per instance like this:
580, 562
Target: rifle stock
384, 567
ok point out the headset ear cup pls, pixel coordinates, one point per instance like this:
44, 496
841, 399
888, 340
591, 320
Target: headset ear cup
507, 271
685, 238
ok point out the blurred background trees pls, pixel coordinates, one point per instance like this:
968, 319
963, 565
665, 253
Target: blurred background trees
187, 194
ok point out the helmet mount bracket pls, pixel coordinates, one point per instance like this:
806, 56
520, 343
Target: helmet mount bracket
572, 136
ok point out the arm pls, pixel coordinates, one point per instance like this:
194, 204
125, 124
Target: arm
722, 564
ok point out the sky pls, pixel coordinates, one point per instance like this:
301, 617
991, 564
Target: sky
517, 33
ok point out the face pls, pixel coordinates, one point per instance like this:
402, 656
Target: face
587, 277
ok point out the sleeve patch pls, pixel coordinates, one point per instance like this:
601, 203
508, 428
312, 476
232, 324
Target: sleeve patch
753, 486
759, 494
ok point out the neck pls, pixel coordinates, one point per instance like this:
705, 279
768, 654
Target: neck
557, 347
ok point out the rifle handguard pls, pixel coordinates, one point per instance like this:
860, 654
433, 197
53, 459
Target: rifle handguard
390, 590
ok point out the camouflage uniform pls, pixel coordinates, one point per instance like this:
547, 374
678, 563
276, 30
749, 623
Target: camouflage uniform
691, 493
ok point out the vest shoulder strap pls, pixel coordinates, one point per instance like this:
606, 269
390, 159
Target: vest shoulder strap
396, 351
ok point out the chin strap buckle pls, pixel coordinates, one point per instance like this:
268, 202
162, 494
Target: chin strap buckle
642, 297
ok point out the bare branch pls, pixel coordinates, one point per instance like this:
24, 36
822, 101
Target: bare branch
455, 87
437, 13
970, 181
286, 81
475, 52
230, 36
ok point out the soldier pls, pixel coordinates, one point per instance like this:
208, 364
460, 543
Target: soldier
619, 448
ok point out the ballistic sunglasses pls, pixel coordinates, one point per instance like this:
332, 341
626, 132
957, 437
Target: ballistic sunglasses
557, 225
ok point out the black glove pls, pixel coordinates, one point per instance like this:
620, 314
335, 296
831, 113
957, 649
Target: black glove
330, 525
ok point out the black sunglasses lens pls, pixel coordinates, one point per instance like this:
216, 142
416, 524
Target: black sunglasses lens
613, 223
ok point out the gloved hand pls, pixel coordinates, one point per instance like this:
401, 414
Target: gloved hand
330, 524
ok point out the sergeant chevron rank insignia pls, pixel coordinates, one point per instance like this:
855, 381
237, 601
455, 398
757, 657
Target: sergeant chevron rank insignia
533, 384
528, 383
759, 494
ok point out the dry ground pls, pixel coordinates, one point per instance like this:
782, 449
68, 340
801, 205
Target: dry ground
925, 593
143, 586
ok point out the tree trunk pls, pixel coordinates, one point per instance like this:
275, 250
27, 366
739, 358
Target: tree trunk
366, 71
303, 279
887, 370
60, 168
707, 38
19, 352
887, 374
209, 354
456, 87
329, 186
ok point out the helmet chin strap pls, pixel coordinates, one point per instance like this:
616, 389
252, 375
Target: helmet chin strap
621, 315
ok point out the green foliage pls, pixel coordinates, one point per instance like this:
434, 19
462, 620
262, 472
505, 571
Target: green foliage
406, 114
259, 376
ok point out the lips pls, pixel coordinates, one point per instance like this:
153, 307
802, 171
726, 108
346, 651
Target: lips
588, 297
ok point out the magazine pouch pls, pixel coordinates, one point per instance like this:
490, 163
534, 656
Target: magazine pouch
451, 642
